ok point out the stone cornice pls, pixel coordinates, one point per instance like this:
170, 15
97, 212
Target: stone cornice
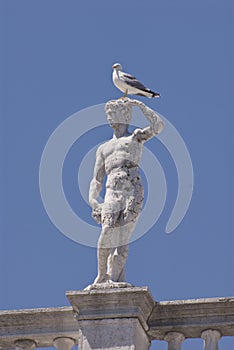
191, 317
41, 325
113, 303
188, 317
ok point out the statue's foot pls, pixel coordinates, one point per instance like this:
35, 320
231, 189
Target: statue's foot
98, 282
118, 284
101, 279
109, 284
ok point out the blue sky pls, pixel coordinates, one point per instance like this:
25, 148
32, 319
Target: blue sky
56, 59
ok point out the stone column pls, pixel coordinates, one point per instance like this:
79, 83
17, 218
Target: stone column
25, 344
211, 338
174, 339
112, 318
64, 343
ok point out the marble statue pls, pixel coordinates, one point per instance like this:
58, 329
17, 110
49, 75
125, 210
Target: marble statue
119, 160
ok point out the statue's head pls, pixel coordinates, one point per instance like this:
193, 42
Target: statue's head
118, 111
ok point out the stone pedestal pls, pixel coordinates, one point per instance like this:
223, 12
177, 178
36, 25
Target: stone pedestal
113, 318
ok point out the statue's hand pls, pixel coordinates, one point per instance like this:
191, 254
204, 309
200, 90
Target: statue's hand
137, 103
138, 132
97, 213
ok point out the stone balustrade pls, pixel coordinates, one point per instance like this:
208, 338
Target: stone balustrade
123, 318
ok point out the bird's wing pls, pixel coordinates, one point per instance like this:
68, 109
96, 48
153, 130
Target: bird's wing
129, 76
132, 81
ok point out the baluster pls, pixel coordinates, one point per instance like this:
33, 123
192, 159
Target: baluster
174, 339
64, 343
25, 344
211, 338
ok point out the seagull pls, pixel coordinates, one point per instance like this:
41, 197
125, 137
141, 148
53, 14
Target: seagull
128, 84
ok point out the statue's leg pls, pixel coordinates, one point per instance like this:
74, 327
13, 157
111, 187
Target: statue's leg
118, 264
121, 252
105, 247
129, 219
110, 262
103, 253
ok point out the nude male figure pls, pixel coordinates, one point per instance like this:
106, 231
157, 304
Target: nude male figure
119, 159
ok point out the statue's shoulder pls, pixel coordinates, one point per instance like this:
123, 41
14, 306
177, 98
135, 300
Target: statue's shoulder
101, 148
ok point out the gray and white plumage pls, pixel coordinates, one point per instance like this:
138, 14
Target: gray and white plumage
128, 84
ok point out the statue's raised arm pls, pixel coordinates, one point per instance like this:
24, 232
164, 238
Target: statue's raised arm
156, 123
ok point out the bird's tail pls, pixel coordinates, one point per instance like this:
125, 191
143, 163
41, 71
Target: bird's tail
149, 93
155, 94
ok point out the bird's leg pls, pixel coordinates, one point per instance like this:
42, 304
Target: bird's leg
125, 94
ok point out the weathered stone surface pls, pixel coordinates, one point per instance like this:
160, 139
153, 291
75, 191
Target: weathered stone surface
134, 302
119, 160
211, 339
25, 344
40, 325
112, 334
64, 343
112, 318
174, 339
108, 285
191, 317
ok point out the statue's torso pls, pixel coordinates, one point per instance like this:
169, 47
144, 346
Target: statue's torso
122, 157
